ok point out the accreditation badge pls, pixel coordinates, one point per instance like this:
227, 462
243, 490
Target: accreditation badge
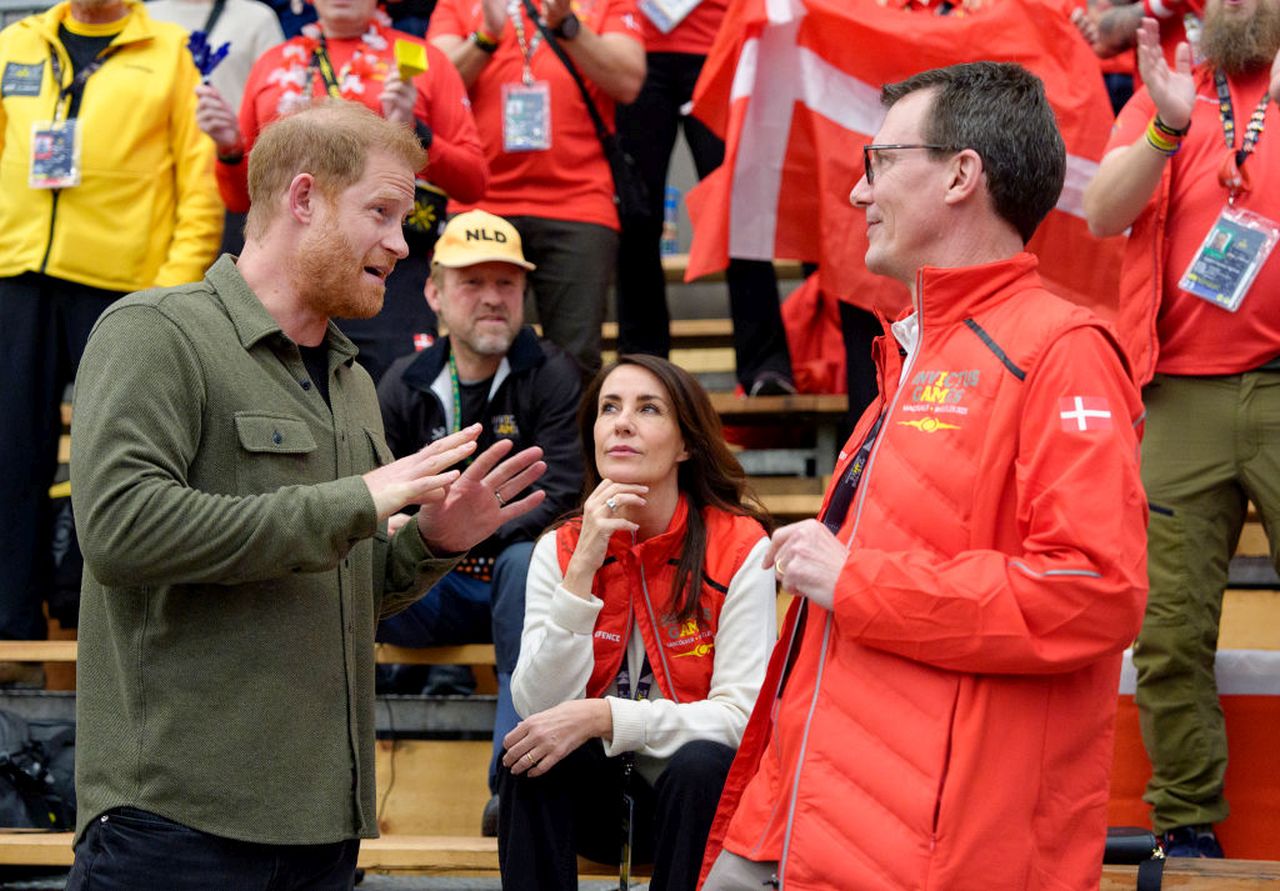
526, 117
55, 154
1230, 257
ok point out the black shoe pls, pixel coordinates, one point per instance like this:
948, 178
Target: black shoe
1191, 841
771, 383
489, 819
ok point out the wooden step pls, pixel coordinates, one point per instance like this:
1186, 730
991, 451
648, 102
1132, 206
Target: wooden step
465, 855
464, 654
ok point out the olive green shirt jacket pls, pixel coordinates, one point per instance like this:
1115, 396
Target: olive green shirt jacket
235, 570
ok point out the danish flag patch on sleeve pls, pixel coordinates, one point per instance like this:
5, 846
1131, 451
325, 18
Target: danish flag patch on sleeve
1083, 413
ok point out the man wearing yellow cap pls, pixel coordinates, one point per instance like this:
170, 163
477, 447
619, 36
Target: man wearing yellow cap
492, 369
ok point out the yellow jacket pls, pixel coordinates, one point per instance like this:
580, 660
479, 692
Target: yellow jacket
146, 211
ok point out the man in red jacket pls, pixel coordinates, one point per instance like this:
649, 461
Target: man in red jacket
939, 711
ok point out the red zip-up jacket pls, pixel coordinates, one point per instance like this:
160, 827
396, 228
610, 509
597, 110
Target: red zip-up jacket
948, 725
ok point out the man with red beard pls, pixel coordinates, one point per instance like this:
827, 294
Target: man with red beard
1194, 167
232, 488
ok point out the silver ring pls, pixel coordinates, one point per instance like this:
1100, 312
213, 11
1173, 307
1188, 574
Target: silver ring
498, 495
612, 504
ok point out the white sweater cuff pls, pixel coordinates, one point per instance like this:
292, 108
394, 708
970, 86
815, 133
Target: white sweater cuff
574, 614
628, 726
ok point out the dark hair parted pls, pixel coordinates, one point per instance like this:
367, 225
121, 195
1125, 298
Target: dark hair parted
709, 477
999, 110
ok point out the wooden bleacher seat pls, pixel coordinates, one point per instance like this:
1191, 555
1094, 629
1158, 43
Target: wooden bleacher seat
460, 855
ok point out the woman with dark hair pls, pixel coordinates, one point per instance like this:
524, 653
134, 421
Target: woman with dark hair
648, 625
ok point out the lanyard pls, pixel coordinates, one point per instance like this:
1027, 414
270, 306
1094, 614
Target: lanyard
628, 767
528, 46
1231, 174
75, 89
214, 15
321, 57
838, 507
624, 680
457, 395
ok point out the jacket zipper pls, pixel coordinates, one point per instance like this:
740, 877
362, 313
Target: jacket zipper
653, 626
860, 497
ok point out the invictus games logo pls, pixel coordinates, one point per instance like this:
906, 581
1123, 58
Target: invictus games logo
505, 425
936, 393
686, 633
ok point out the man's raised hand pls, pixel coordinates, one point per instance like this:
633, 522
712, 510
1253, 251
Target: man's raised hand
422, 476
479, 501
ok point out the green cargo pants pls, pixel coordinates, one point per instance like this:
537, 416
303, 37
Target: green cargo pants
1211, 445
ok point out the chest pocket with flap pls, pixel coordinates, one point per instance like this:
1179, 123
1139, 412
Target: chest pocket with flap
275, 451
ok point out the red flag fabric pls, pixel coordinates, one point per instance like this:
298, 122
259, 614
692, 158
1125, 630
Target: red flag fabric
793, 86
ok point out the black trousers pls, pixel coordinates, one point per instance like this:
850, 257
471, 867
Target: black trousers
45, 324
576, 808
647, 129
127, 849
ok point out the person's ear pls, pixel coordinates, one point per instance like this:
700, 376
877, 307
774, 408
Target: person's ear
965, 176
432, 292
302, 197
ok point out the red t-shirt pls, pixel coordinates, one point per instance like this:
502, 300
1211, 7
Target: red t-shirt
571, 180
694, 33
284, 75
1196, 337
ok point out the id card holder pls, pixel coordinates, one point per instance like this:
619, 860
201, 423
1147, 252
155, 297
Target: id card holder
55, 154
1230, 257
666, 14
526, 117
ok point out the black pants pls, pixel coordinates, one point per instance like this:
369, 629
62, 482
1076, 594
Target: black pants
576, 808
127, 849
570, 288
45, 324
647, 129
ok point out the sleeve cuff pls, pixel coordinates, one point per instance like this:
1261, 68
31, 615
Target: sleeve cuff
574, 614
628, 726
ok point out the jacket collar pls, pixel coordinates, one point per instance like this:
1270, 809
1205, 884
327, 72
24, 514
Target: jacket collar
428, 365
138, 25
251, 320
664, 544
947, 296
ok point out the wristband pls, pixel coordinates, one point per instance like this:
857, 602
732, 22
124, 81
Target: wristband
484, 42
1163, 141
1169, 131
234, 158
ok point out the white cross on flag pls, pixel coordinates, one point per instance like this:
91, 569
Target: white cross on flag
1085, 413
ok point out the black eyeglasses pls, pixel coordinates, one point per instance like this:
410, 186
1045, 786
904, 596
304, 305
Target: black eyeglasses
887, 147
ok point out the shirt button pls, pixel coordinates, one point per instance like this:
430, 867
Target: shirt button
306, 385
277, 438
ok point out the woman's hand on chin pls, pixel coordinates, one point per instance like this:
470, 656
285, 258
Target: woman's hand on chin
603, 513
539, 742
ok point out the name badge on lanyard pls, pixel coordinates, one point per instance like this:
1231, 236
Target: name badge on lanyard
55, 154
1229, 258
526, 117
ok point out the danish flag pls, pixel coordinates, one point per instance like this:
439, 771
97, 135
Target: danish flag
1085, 413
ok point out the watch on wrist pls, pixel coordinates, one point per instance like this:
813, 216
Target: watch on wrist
568, 27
